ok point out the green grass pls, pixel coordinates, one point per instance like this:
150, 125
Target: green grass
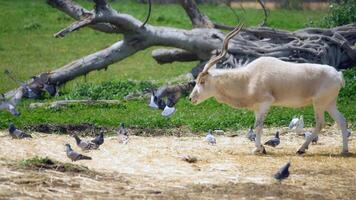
27, 47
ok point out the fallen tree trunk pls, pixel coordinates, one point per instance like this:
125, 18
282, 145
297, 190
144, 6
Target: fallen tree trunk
335, 47
64, 103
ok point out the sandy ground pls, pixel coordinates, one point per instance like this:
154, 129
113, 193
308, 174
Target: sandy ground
151, 167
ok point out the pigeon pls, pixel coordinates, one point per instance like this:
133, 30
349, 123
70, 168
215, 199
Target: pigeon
282, 173
348, 133
308, 134
4, 104
210, 138
251, 135
297, 124
99, 139
85, 145
156, 102
74, 156
294, 122
122, 134
170, 109
16, 133
274, 141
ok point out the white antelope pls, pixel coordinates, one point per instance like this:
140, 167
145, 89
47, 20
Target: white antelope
267, 82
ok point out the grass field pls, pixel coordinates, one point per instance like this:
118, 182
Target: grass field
27, 47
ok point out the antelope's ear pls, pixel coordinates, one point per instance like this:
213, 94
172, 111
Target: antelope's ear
201, 78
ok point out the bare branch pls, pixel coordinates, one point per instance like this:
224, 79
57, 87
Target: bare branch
163, 56
198, 19
264, 22
77, 12
75, 26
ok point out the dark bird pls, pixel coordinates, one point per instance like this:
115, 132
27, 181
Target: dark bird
99, 139
308, 134
122, 134
85, 145
74, 156
283, 172
274, 141
16, 133
156, 102
251, 135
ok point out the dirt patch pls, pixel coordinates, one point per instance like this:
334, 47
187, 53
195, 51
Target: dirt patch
155, 168
38, 163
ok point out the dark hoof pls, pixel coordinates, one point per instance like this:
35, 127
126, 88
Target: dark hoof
346, 153
263, 150
260, 151
300, 152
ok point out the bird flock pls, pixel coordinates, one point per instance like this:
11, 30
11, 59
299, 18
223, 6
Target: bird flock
296, 125
84, 145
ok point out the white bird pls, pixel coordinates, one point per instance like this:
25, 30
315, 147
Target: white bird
294, 122
210, 138
297, 124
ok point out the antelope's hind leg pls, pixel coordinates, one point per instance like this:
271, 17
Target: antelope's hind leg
341, 122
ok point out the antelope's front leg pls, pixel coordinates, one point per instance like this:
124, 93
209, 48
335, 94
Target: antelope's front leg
259, 119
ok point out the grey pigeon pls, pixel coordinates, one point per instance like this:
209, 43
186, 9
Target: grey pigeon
283, 172
122, 134
8, 106
210, 138
251, 135
99, 139
74, 156
274, 141
309, 134
156, 102
16, 133
85, 145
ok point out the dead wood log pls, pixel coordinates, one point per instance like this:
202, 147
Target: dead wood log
334, 46
64, 103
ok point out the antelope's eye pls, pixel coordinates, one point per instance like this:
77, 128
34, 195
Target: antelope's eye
202, 81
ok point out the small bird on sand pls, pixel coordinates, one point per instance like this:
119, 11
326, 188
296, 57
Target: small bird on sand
283, 172
74, 156
99, 139
309, 134
122, 134
293, 122
251, 135
297, 124
16, 133
210, 138
274, 141
85, 145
